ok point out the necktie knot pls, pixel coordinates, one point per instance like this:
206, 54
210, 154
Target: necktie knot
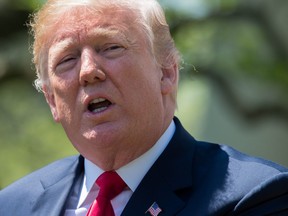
110, 184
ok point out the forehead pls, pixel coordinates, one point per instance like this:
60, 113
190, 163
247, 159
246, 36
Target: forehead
83, 20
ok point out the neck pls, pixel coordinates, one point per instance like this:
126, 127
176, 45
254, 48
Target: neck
112, 159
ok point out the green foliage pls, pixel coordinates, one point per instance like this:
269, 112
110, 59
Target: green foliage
231, 47
29, 137
26, 4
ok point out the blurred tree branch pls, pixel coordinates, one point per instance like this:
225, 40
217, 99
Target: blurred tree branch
237, 104
14, 49
12, 22
219, 79
255, 16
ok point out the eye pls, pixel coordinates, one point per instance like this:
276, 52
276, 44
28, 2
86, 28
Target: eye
112, 50
66, 60
66, 63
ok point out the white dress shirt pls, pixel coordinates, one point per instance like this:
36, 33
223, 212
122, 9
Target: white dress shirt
131, 173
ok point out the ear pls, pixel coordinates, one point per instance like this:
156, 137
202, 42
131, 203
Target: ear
169, 80
51, 102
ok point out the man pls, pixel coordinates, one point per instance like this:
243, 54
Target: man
109, 72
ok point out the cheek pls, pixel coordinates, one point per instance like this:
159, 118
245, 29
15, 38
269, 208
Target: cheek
65, 92
64, 83
65, 110
137, 71
143, 89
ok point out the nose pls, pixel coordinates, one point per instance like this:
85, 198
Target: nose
90, 71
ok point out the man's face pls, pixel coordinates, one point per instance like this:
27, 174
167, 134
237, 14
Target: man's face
105, 87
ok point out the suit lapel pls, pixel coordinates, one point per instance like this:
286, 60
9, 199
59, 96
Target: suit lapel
153, 190
167, 180
52, 196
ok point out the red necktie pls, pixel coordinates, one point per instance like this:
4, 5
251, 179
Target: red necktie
111, 185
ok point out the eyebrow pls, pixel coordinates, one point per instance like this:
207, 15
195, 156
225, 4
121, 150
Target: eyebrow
62, 44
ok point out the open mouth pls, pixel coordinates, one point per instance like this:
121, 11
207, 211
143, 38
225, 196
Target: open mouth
98, 105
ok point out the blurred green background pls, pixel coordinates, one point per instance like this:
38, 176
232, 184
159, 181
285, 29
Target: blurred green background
233, 87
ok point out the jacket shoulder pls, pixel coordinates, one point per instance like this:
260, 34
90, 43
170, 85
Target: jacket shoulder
27, 187
47, 171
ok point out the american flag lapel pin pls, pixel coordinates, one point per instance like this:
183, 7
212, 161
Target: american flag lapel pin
154, 209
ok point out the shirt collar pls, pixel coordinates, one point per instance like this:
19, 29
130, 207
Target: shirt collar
133, 172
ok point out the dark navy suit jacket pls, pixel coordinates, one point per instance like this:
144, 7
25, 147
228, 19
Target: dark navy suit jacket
189, 178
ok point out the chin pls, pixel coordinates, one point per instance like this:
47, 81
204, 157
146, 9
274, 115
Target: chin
96, 137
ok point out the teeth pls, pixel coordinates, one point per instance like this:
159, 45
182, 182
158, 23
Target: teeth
99, 109
98, 105
97, 100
